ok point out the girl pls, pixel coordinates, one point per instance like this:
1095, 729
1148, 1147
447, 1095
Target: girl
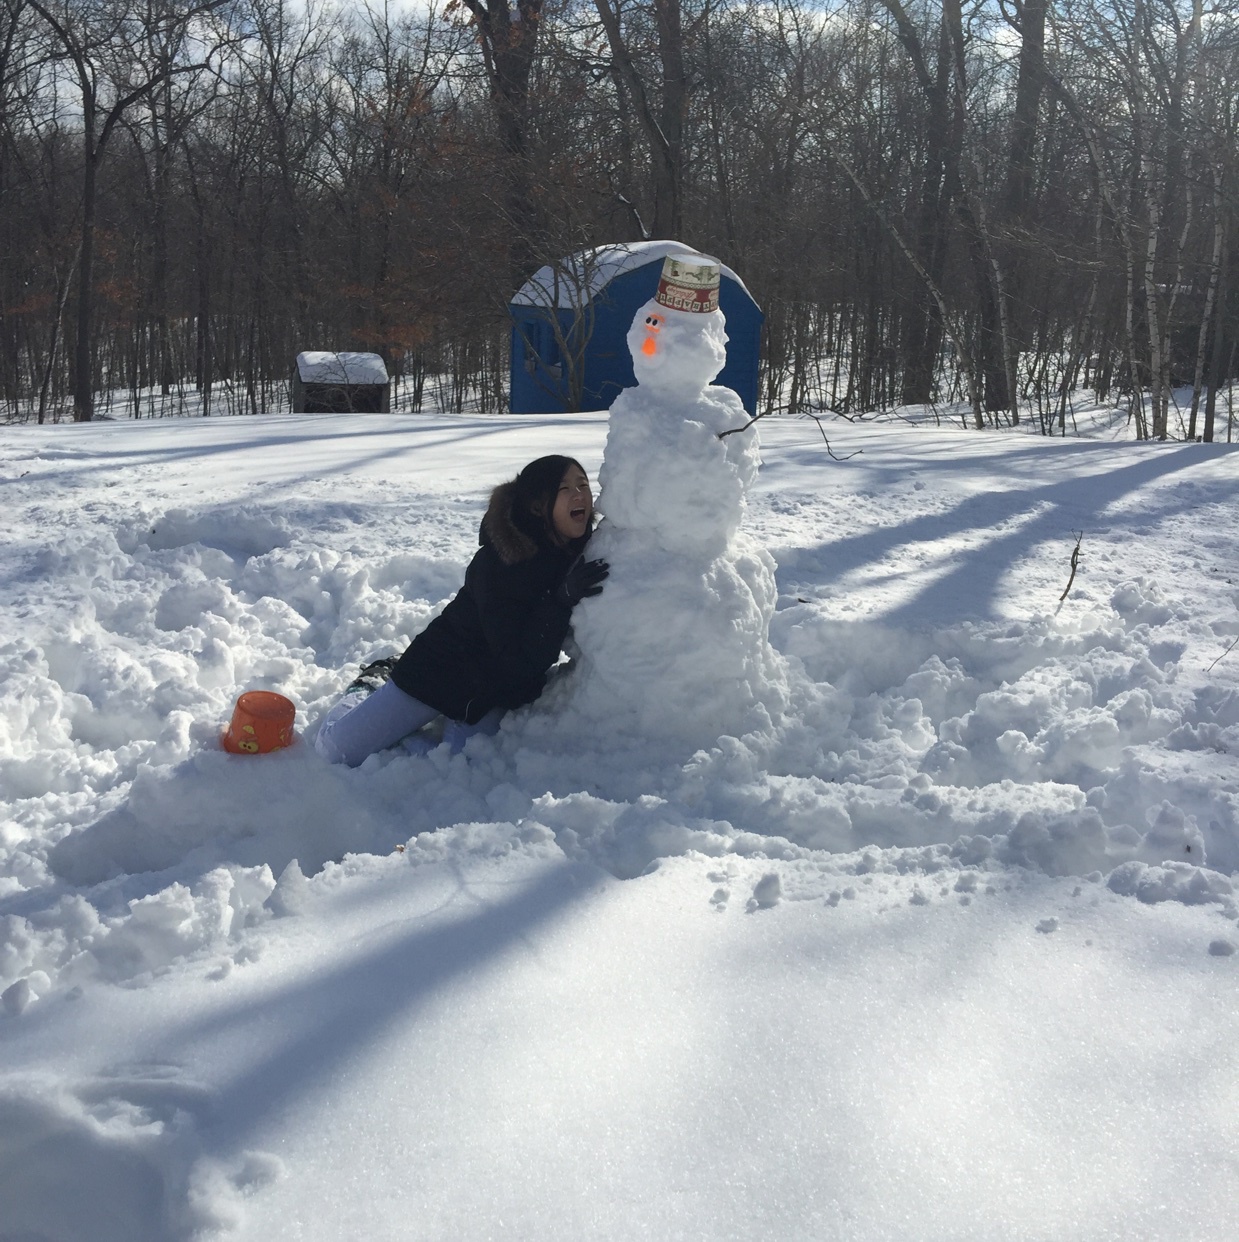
490, 649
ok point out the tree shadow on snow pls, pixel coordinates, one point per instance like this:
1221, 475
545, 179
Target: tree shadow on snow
968, 588
318, 1024
353, 447
86, 1162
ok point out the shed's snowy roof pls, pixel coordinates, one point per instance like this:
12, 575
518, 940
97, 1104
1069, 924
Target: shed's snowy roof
317, 366
580, 276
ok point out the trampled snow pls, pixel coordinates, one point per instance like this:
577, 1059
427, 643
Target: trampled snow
946, 950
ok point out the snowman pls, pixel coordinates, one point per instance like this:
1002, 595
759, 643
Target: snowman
676, 649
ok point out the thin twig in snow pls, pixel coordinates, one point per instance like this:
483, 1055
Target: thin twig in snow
1075, 564
1224, 654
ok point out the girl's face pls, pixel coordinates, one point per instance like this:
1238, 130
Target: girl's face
574, 505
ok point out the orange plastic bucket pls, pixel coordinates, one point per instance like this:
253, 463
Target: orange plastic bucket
262, 721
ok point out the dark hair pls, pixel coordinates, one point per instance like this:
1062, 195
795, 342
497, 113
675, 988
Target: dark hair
534, 493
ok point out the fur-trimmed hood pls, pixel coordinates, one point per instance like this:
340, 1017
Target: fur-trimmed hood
518, 519
500, 529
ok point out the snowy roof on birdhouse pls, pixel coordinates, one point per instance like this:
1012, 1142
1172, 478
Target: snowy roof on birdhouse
581, 276
317, 366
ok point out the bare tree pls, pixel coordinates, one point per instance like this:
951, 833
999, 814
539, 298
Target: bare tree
102, 47
508, 34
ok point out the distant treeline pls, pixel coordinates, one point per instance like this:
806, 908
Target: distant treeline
996, 202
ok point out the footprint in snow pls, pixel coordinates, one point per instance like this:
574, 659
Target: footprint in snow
1047, 925
766, 893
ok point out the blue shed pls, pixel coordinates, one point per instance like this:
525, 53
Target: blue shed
570, 322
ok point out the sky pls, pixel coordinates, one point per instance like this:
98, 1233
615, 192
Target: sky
943, 948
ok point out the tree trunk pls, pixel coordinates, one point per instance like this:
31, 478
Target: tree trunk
1159, 395
509, 36
1207, 321
1216, 371
1018, 192
83, 351
663, 125
160, 206
668, 164
921, 337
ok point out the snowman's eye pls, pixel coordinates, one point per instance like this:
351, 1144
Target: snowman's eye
653, 321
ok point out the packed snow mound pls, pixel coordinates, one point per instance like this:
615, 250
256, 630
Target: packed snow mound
710, 669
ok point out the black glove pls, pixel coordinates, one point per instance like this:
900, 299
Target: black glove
584, 578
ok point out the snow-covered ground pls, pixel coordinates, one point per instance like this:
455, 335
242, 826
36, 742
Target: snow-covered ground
947, 951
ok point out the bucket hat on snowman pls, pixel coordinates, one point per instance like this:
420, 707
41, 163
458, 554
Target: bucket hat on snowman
689, 283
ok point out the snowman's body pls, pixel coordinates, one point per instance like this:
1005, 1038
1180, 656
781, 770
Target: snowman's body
677, 646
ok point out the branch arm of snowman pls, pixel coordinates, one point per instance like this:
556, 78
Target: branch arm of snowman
834, 456
678, 343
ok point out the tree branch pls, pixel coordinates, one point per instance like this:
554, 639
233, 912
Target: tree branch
722, 435
1224, 654
1075, 564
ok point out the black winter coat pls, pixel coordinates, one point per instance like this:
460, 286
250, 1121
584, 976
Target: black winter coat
494, 643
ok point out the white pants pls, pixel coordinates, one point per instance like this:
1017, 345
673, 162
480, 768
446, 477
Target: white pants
361, 724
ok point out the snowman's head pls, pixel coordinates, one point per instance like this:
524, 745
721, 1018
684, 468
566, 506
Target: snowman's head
677, 340
677, 351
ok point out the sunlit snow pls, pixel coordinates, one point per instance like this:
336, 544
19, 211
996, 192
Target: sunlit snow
943, 949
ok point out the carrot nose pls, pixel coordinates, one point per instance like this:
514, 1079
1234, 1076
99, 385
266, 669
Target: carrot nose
649, 347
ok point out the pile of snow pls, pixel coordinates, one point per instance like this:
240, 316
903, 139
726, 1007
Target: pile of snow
823, 975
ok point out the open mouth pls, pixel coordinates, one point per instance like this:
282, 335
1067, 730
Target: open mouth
577, 513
